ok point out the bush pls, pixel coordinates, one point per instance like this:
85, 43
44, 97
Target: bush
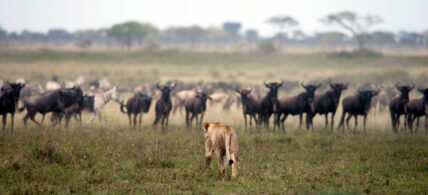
366, 53
267, 48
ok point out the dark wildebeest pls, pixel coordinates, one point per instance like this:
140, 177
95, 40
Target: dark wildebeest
137, 105
355, 105
9, 97
250, 105
75, 110
163, 105
196, 106
302, 103
51, 101
328, 102
398, 106
417, 108
269, 103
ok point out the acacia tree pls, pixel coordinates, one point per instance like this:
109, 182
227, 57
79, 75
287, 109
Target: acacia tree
128, 32
357, 25
282, 22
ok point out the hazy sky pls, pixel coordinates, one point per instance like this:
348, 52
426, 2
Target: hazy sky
41, 15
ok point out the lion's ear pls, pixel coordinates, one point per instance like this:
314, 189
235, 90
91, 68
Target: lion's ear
206, 125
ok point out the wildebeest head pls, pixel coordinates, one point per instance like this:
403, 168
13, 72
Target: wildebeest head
365, 97
404, 92
16, 89
166, 90
273, 93
244, 94
337, 90
310, 93
203, 97
147, 101
424, 92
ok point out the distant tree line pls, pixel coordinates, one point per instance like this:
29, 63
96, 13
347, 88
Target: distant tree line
356, 32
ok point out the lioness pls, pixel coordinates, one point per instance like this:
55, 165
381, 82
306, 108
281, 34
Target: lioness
223, 141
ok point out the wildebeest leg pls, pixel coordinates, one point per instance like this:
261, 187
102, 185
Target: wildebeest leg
12, 118
200, 120
300, 120
365, 119
283, 121
135, 120
187, 118
326, 120
4, 120
356, 121
245, 120
140, 121
426, 123
26, 117
34, 120
308, 120
167, 120
130, 120
393, 122
342, 121
332, 120
347, 120
196, 120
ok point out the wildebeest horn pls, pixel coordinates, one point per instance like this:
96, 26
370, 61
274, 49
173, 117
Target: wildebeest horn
422, 90
158, 86
319, 85
331, 84
280, 84
267, 85
303, 85
346, 85
397, 86
412, 87
237, 90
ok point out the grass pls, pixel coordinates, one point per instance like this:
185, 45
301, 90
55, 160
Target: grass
111, 158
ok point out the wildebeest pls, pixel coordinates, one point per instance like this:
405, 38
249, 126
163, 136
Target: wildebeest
387, 93
250, 105
398, 106
9, 97
328, 102
300, 104
269, 103
417, 108
51, 101
137, 105
102, 99
181, 97
355, 105
196, 106
163, 105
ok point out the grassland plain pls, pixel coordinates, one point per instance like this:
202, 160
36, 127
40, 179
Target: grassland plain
95, 158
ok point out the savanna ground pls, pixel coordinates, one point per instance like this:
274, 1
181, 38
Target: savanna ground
96, 158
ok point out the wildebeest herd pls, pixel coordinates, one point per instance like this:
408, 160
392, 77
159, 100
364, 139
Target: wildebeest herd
69, 100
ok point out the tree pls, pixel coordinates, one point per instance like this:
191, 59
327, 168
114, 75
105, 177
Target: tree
357, 25
252, 35
191, 33
3, 33
232, 28
282, 22
128, 32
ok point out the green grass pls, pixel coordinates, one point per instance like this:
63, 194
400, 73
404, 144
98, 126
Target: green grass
114, 159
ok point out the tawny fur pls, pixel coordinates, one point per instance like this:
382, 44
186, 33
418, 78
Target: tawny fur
223, 141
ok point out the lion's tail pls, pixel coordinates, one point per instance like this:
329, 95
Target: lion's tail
227, 138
